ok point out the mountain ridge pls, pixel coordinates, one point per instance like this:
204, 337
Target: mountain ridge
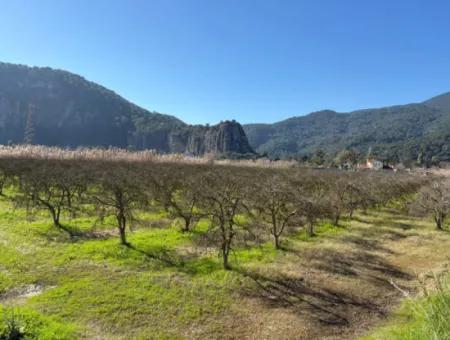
41, 105
397, 133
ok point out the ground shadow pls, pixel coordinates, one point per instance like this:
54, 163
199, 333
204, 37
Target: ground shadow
325, 305
166, 256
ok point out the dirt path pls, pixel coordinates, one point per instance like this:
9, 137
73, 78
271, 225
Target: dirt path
340, 288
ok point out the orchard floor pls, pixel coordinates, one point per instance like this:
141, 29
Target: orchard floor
337, 285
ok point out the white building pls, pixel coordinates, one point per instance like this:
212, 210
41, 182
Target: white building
374, 164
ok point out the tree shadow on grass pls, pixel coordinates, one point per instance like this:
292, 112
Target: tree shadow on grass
368, 244
360, 263
386, 222
164, 255
337, 289
170, 258
388, 228
72, 234
325, 305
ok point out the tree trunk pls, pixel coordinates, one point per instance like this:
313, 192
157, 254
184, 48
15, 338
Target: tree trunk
123, 236
187, 225
439, 221
225, 254
55, 216
351, 213
122, 225
277, 241
336, 219
310, 229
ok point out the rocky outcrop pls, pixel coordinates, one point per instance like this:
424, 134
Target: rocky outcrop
54, 107
224, 138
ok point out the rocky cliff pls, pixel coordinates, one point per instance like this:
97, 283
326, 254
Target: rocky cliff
54, 107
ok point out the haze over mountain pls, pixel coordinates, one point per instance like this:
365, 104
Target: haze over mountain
54, 107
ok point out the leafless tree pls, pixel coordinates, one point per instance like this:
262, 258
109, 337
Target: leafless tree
50, 185
344, 195
311, 199
117, 190
223, 196
434, 199
177, 188
272, 202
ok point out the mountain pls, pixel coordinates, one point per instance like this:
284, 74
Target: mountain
397, 133
55, 107
440, 102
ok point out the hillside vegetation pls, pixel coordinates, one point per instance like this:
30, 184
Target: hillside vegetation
59, 108
397, 133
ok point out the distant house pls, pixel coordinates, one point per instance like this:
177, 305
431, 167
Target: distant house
372, 163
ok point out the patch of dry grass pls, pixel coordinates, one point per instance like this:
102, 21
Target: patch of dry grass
117, 154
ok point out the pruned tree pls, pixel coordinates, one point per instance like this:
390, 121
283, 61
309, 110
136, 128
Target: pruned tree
7, 174
222, 199
311, 199
434, 199
344, 196
117, 191
178, 191
52, 186
273, 203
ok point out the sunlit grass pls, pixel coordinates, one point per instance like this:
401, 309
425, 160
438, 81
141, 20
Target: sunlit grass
32, 325
162, 286
427, 318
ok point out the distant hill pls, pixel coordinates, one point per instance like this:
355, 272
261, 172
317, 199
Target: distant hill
54, 107
397, 133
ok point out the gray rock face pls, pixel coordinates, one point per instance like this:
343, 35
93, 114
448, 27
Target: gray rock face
225, 137
54, 107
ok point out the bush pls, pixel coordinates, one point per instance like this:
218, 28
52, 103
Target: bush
16, 324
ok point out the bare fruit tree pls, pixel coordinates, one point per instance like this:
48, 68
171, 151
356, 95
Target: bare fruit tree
178, 191
222, 199
117, 191
434, 199
272, 202
50, 185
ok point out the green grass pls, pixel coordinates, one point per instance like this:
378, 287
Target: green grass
32, 325
427, 318
153, 289
165, 286
323, 230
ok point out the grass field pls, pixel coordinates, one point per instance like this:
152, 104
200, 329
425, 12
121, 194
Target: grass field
427, 317
335, 285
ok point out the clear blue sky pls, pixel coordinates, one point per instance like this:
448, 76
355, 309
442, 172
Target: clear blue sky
255, 61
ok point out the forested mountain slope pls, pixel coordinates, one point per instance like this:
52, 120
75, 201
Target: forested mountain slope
396, 132
54, 107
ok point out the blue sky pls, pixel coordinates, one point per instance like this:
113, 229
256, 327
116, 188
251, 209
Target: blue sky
254, 61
